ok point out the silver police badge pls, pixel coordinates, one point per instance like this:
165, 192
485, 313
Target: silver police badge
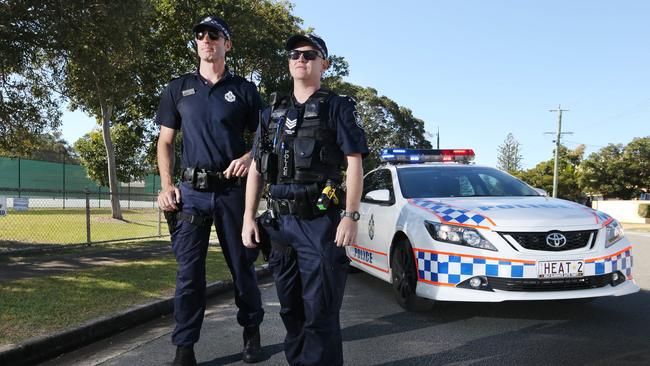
229, 96
371, 227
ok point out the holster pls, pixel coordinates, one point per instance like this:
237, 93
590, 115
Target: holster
263, 221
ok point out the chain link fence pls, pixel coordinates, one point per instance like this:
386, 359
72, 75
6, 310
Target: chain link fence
43, 216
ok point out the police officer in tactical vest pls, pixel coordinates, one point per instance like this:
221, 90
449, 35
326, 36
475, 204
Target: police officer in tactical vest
212, 107
303, 145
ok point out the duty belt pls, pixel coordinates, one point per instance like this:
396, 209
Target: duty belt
202, 179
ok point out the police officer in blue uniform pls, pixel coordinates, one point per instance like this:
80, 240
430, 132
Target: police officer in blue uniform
304, 143
212, 107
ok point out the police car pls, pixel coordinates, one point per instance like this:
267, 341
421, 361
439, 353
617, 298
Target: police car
437, 227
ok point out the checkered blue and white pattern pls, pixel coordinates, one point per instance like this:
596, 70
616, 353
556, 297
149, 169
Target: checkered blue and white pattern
450, 214
620, 262
454, 269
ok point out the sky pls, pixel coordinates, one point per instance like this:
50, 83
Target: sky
478, 70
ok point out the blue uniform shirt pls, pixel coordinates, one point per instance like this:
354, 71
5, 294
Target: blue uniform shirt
212, 118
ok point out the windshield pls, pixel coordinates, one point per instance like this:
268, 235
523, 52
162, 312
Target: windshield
445, 181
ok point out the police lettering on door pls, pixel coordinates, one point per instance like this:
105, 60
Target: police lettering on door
363, 255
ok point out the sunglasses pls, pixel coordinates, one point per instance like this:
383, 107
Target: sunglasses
213, 36
309, 55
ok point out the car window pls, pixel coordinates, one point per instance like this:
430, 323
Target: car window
445, 181
379, 179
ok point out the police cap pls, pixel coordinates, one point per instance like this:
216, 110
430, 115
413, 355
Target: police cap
213, 22
311, 39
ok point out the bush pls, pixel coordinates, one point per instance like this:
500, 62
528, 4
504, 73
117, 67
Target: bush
644, 210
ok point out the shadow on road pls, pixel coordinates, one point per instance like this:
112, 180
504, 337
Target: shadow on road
607, 331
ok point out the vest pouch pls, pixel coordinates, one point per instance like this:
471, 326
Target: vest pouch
331, 155
303, 149
269, 167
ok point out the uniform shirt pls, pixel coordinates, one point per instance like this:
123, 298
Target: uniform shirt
212, 118
343, 117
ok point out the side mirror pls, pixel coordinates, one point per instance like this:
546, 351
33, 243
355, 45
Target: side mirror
378, 195
542, 192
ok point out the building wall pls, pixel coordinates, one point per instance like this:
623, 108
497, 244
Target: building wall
624, 211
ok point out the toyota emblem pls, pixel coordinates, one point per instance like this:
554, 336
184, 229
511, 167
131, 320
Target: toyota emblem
555, 240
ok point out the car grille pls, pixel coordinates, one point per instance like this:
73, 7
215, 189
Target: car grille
547, 284
537, 240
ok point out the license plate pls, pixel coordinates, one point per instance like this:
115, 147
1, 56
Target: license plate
555, 269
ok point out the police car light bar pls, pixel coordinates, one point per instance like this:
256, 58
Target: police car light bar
414, 156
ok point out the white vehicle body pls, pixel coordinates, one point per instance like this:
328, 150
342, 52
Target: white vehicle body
515, 270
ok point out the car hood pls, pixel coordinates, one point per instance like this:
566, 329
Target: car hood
512, 213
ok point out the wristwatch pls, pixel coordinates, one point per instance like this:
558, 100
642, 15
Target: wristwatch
354, 215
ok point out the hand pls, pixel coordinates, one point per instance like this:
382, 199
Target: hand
168, 198
238, 167
250, 234
346, 232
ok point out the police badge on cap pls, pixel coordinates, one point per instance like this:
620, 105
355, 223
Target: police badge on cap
215, 23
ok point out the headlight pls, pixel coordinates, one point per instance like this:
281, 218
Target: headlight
614, 233
460, 235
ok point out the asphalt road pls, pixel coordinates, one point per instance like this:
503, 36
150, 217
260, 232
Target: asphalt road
376, 331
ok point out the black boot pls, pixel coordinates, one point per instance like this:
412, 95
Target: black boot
252, 349
184, 356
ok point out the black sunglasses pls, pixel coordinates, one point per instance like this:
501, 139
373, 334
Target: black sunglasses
213, 36
309, 55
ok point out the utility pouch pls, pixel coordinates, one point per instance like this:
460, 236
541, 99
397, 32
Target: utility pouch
201, 181
331, 155
303, 149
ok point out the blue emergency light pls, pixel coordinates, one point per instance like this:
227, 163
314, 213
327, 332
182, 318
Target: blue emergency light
414, 156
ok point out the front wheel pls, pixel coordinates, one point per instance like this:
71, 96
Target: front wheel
405, 279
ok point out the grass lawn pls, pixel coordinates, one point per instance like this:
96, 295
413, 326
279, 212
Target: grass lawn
39, 306
69, 226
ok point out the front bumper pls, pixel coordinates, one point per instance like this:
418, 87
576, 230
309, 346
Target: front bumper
440, 273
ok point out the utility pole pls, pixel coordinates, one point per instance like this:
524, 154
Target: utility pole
557, 144
438, 139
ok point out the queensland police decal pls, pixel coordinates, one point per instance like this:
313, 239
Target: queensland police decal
229, 96
371, 227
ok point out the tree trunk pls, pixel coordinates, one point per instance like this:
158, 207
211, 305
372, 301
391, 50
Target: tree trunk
110, 158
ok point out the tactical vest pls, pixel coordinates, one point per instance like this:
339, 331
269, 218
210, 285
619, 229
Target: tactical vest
301, 149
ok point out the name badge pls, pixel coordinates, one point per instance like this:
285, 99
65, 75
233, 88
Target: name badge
187, 92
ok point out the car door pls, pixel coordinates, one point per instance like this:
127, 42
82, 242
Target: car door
376, 225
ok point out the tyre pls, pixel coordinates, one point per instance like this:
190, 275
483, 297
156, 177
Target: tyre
405, 279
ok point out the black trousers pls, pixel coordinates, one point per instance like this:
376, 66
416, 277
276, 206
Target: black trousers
190, 245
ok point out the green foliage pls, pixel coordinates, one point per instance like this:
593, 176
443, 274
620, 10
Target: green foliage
618, 171
644, 210
129, 154
385, 123
28, 107
541, 176
509, 158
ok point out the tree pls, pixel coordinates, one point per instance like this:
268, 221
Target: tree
637, 164
386, 124
618, 171
52, 147
129, 154
509, 158
27, 107
541, 176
